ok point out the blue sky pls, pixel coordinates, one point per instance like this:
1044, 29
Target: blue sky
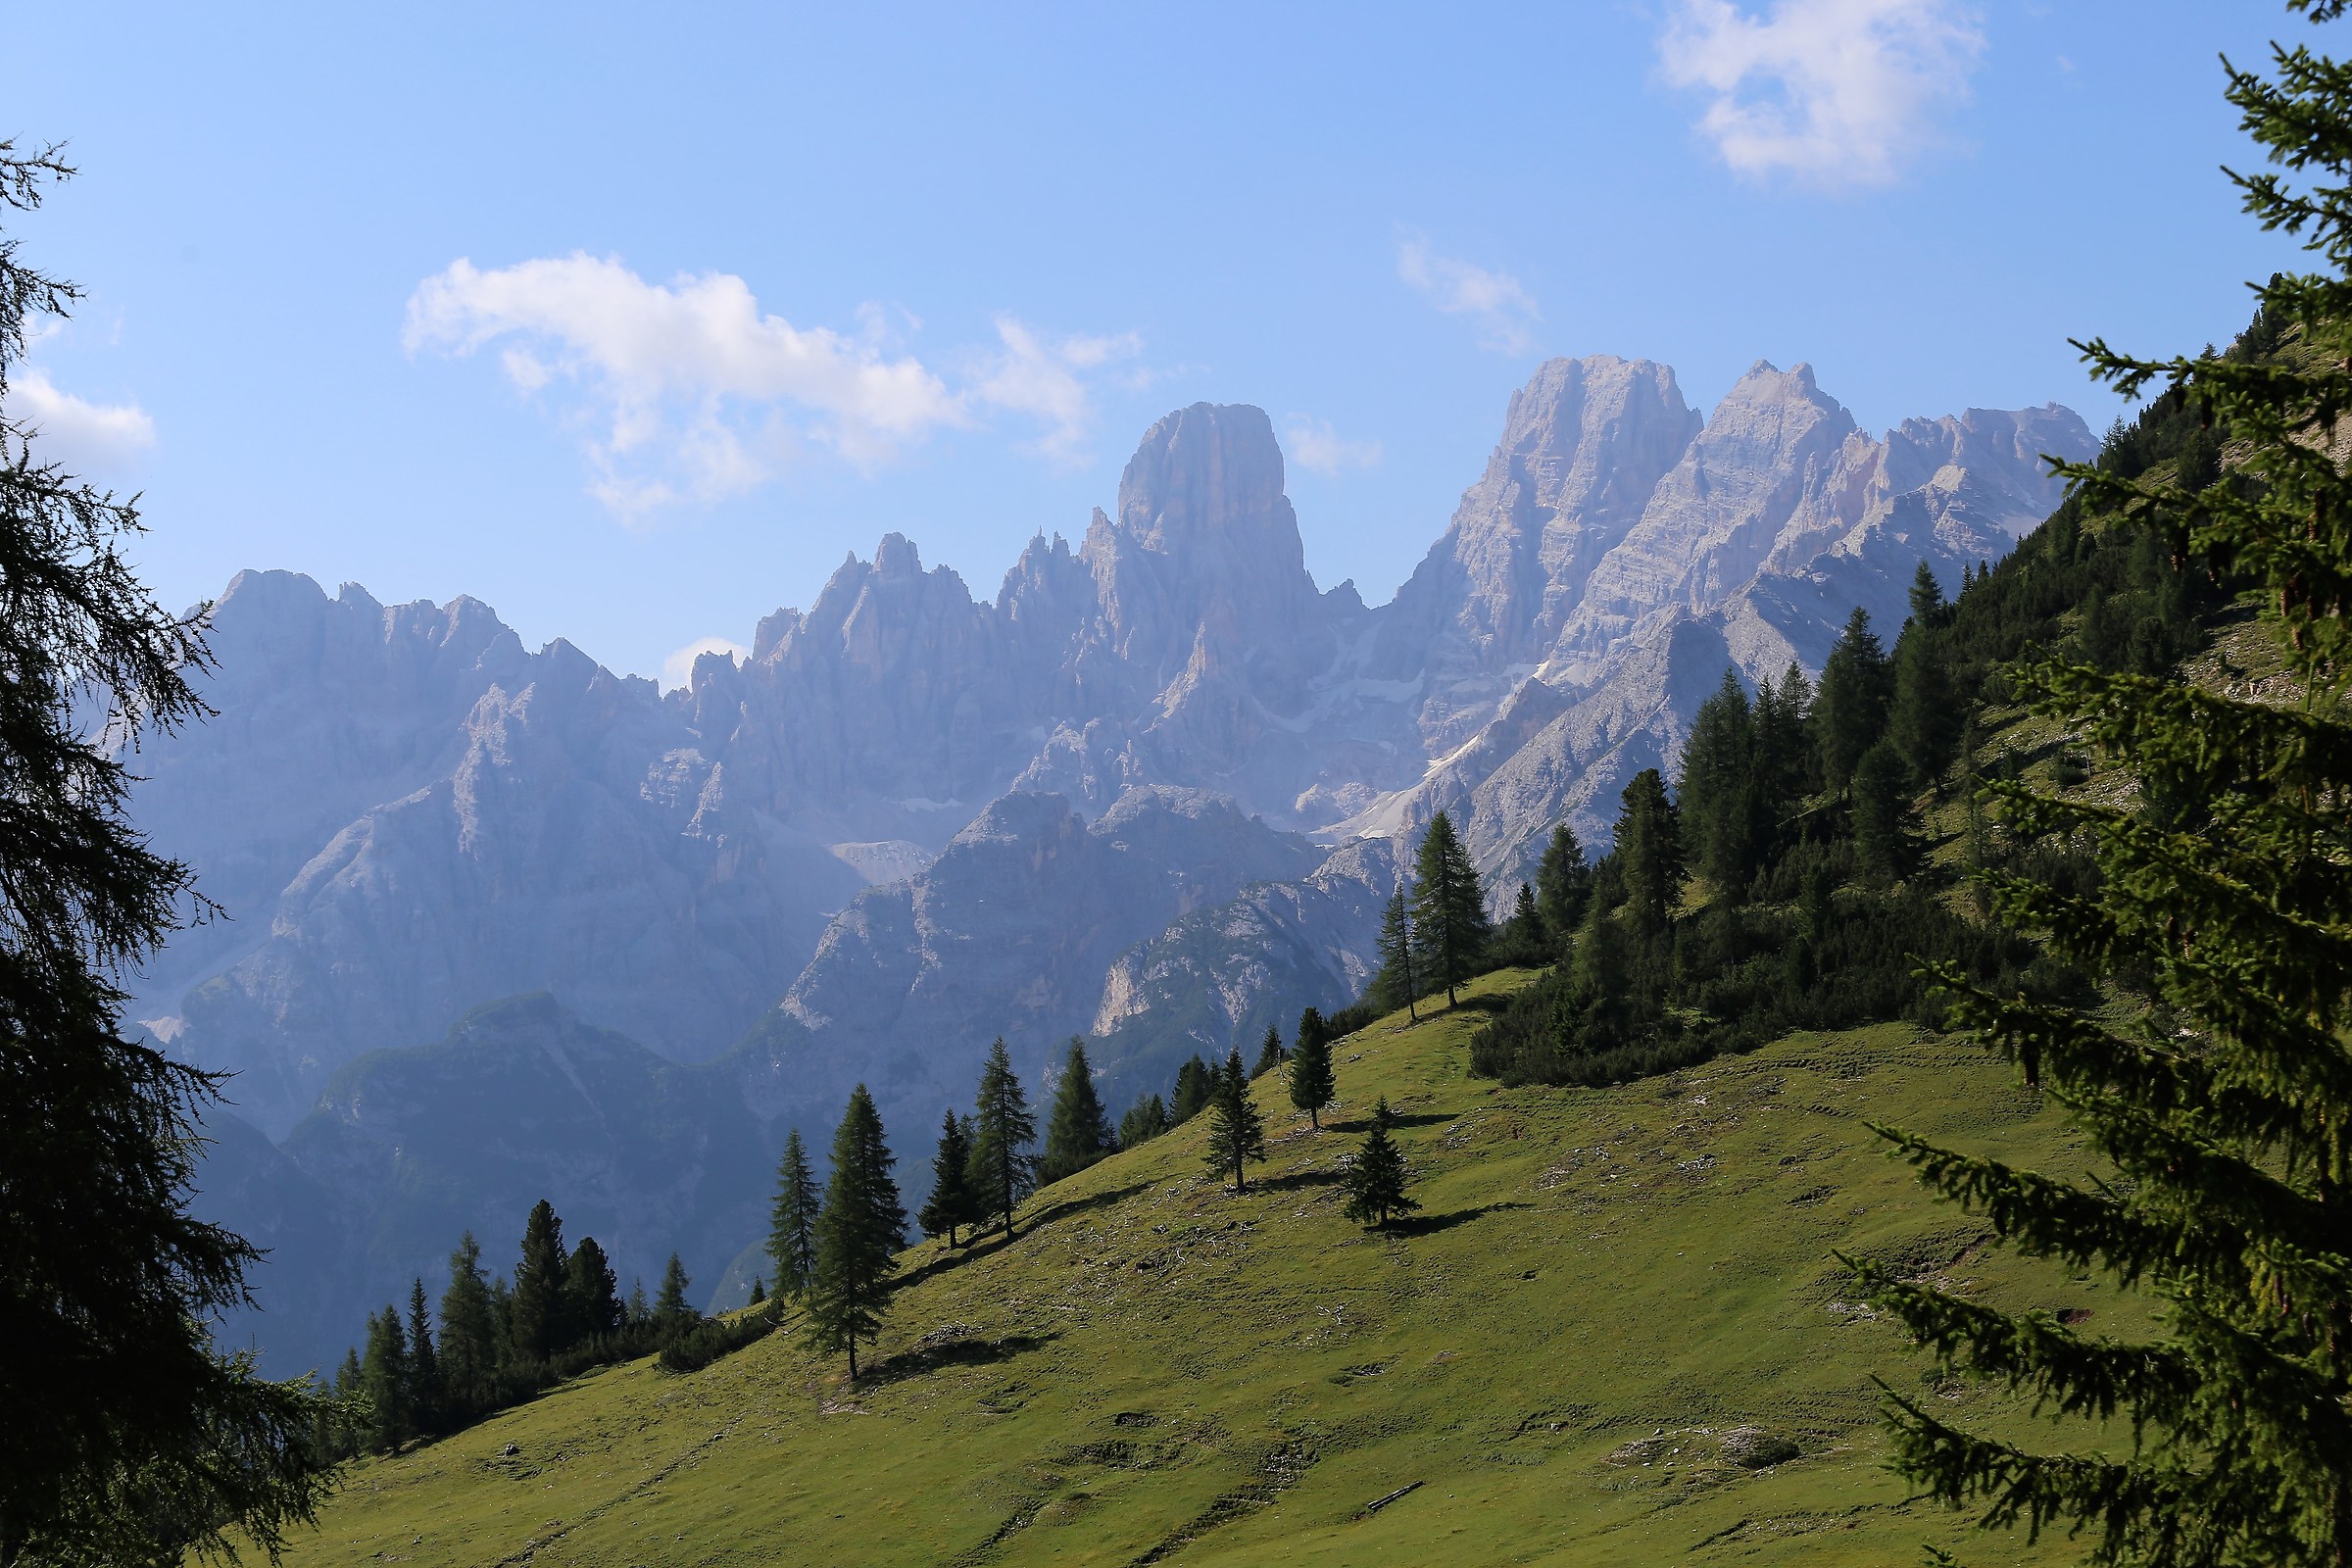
634, 321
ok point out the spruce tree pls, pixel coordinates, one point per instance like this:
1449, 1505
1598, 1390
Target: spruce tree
1928, 611
468, 1348
1849, 712
759, 1291
1563, 882
1397, 985
1079, 1133
423, 1365
1195, 1082
1313, 1025
1450, 911
1720, 801
858, 1236
792, 1219
1313, 1085
1004, 1130
592, 1293
1885, 847
2227, 893
950, 1204
1376, 1177
538, 1313
1649, 851
1144, 1120
127, 1433
1270, 1053
673, 1313
1925, 724
384, 1382
1235, 1131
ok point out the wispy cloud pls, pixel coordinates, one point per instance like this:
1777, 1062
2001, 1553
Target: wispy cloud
1031, 373
678, 668
1835, 92
1505, 313
687, 391
1314, 445
79, 434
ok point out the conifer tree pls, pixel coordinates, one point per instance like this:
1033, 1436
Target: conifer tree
1236, 1130
1649, 851
1928, 611
591, 1293
1312, 1084
1720, 800
673, 1313
1376, 1177
1313, 1025
1563, 882
469, 1336
1144, 1120
1450, 911
1925, 724
384, 1382
950, 1206
858, 1236
2221, 1118
759, 1290
127, 1433
1079, 1132
792, 1219
1270, 1053
1195, 1082
1885, 847
1849, 712
538, 1314
1397, 985
1004, 1130
1787, 758
424, 1366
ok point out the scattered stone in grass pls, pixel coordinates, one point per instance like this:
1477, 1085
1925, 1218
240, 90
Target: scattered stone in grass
1753, 1447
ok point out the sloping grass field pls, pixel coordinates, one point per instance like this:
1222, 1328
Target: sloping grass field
1614, 1335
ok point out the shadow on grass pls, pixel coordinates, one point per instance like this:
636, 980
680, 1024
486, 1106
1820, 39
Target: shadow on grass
925, 1358
1295, 1181
1363, 1123
1431, 1224
995, 1240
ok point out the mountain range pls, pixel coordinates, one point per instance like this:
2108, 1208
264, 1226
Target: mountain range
500, 923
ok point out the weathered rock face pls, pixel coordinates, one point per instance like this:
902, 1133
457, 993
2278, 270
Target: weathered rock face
912, 820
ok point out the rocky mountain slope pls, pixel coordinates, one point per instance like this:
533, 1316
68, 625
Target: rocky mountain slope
1153, 791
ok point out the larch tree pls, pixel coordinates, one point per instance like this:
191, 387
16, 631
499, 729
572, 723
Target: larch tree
129, 1434
1397, 985
1078, 1133
951, 1205
1003, 1170
858, 1235
1235, 1131
2224, 1115
1450, 927
673, 1313
792, 1219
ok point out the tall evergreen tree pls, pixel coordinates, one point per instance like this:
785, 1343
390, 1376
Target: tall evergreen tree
469, 1336
384, 1382
1928, 611
1788, 758
1270, 1053
1885, 845
1397, 985
858, 1236
1849, 712
1720, 801
128, 1435
1376, 1176
592, 1293
1313, 1026
1235, 1131
423, 1365
1144, 1120
538, 1315
1649, 851
1923, 727
1563, 882
673, 1313
792, 1219
1450, 910
950, 1204
1005, 1170
1313, 1083
2222, 1118
1079, 1132
1195, 1082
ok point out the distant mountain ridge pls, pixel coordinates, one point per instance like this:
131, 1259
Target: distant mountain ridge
1154, 791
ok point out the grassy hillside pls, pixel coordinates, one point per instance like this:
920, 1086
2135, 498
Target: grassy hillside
1616, 1308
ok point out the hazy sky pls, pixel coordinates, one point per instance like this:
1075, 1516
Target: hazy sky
632, 320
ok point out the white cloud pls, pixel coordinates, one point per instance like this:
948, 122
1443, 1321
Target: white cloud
678, 668
74, 432
687, 392
1838, 93
1505, 312
1036, 374
1313, 444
